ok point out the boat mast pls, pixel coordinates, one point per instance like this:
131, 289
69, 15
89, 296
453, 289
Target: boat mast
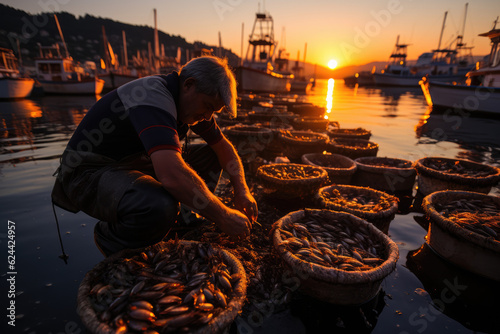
157, 47
125, 56
62, 37
442, 30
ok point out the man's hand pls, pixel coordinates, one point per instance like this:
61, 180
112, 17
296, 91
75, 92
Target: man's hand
245, 203
235, 224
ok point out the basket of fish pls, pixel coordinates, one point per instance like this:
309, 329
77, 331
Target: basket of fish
377, 207
273, 115
355, 133
465, 229
338, 257
249, 140
274, 148
340, 169
317, 124
435, 173
386, 174
298, 143
286, 181
174, 286
353, 148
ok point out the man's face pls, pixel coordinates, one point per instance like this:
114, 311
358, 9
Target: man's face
194, 106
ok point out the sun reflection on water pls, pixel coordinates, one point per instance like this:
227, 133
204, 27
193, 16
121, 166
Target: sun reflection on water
329, 97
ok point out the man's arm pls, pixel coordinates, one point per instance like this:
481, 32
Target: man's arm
185, 184
231, 163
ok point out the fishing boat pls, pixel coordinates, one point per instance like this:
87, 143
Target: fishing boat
448, 64
257, 73
12, 84
60, 74
396, 72
480, 93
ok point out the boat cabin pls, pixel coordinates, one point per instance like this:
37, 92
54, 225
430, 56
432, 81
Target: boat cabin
52, 66
8, 63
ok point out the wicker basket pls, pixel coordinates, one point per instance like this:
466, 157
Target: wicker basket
248, 139
275, 148
271, 115
307, 109
335, 285
283, 188
381, 217
431, 179
357, 133
224, 120
298, 143
463, 247
218, 324
353, 148
386, 174
340, 169
317, 124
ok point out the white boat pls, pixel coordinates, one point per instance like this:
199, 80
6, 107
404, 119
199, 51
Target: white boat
12, 84
60, 75
481, 93
257, 73
396, 72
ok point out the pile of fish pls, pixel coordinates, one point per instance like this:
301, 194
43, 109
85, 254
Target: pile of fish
290, 171
354, 200
478, 216
175, 287
319, 239
457, 167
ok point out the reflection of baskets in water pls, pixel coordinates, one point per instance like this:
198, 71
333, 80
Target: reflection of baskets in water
222, 316
298, 143
340, 169
318, 124
333, 285
249, 140
353, 148
386, 174
291, 180
435, 173
357, 133
271, 115
377, 207
470, 246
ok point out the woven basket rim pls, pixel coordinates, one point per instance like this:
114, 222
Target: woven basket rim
243, 129
454, 228
333, 275
361, 163
221, 321
321, 137
361, 213
273, 112
352, 168
323, 174
474, 180
343, 143
356, 133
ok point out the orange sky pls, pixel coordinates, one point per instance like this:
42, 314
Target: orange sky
352, 32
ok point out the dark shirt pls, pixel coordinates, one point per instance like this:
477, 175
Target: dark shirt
140, 116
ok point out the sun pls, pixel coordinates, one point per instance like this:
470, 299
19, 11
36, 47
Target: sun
332, 64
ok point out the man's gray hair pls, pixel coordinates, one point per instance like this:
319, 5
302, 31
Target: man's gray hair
214, 78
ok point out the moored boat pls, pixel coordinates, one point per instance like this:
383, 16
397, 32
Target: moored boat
59, 74
257, 73
12, 84
481, 93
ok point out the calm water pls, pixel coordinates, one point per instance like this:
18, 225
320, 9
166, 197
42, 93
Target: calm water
423, 295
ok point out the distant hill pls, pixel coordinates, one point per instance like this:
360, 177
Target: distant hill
84, 38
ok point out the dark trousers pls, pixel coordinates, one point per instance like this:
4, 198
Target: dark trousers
133, 207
